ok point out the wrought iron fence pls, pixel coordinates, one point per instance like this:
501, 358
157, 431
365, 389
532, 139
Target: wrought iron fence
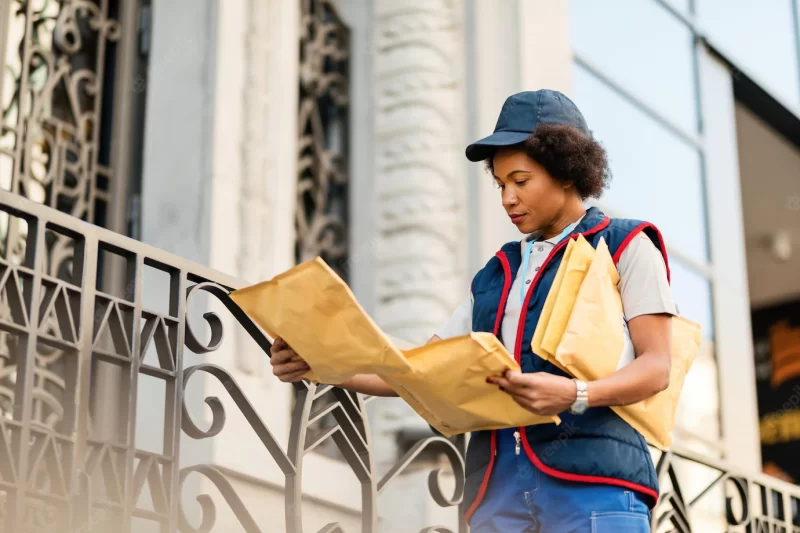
66, 105
61, 471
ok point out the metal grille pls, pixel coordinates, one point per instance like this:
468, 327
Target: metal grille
60, 470
65, 100
322, 191
62, 77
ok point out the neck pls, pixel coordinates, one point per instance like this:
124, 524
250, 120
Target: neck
572, 212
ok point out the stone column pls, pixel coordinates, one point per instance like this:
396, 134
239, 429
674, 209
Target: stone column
254, 149
255, 201
420, 181
420, 197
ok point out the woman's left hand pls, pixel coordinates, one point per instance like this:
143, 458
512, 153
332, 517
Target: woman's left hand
541, 393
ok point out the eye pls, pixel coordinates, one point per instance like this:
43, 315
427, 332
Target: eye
521, 182
499, 185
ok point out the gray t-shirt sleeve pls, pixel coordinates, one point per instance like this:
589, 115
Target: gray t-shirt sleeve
643, 281
460, 322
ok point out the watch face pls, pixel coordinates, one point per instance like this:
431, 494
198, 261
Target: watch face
578, 409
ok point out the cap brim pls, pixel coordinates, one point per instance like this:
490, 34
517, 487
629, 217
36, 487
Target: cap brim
483, 149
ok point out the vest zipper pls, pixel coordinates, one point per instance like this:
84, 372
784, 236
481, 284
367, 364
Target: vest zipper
524, 311
517, 446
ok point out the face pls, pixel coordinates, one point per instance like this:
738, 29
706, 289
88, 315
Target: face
531, 196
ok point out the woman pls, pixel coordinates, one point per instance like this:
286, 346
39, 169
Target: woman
593, 473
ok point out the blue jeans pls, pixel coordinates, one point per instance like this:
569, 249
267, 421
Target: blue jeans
521, 498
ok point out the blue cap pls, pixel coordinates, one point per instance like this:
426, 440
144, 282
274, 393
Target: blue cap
521, 114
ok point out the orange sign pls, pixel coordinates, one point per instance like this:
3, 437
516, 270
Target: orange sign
785, 354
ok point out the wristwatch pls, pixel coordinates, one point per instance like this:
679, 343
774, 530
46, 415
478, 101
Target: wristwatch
582, 400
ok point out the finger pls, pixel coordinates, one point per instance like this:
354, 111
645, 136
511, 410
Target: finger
522, 401
282, 357
524, 393
517, 378
294, 376
278, 357
508, 386
521, 392
277, 345
281, 345
499, 381
290, 368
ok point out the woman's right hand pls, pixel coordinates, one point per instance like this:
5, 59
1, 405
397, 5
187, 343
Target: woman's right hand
287, 366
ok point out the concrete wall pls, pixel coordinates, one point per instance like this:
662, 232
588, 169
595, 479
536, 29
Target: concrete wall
179, 128
219, 189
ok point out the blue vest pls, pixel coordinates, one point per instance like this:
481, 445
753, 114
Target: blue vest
595, 447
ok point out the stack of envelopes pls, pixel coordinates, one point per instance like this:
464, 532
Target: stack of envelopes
581, 331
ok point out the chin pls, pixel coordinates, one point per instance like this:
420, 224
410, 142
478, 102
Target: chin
527, 229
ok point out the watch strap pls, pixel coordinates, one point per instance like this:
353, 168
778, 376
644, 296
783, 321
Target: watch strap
582, 397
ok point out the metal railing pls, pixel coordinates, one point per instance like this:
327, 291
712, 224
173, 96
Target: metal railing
61, 470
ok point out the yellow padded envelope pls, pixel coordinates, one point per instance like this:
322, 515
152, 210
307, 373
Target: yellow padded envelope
549, 304
444, 382
314, 311
594, 322
587, 327
574, 265
448, 388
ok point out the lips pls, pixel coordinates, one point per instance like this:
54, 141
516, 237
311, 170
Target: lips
516, 219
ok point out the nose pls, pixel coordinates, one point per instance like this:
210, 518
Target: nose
509, 198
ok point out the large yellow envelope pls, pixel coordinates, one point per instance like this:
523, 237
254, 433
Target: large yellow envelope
314, 311
555, 314
594, 317
444, 382
585, 312
447, 386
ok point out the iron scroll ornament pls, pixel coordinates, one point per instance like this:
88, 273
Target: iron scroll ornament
207, 506
351, 434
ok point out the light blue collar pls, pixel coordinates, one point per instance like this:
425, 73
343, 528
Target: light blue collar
527, 255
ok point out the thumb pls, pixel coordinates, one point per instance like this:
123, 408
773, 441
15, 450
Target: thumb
516, 378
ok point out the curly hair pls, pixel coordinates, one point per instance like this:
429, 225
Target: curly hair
569, 156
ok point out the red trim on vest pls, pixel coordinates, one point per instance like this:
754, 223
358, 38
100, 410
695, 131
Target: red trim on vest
585, 479
506, 289
517, 355
518, 352
485, 482
500, 310
635, 231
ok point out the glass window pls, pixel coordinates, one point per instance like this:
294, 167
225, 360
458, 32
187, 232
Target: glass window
681, 6
656, 175
642, 47
697, 418
757, 37
692, 293
698, 410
